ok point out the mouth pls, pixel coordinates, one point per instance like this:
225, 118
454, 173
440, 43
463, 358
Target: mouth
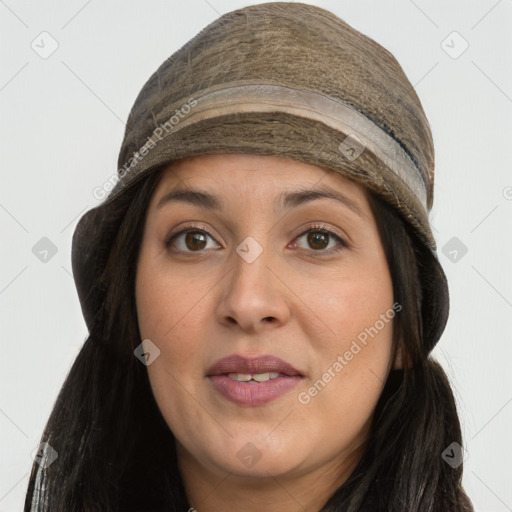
257, 377
253, 381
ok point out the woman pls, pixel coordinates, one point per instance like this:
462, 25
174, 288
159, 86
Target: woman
261, 289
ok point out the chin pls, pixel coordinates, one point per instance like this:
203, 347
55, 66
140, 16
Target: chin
252, 456
251, 462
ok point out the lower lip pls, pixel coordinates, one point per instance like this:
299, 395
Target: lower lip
253, 393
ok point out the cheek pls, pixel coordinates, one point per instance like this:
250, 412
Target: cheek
169, 314
354, 356
172, 311
349, 303
168, 300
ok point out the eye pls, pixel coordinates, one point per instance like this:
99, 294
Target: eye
319, 238
192, 239
195, 239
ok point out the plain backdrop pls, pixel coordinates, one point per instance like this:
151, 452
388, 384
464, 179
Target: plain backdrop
62, 122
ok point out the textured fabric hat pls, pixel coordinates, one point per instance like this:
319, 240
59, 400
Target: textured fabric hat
289, 80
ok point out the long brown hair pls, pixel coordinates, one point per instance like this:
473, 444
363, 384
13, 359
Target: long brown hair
116, 453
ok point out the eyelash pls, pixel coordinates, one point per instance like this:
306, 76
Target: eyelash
315, 228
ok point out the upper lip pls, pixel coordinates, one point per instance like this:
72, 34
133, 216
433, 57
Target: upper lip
252, 365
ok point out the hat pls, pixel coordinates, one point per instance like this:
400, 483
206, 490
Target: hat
283, 79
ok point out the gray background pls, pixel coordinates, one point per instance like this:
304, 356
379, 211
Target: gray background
62, 124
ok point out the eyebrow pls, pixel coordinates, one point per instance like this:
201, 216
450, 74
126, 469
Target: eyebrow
286, 200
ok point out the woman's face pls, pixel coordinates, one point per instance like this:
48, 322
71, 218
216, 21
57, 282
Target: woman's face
264, 285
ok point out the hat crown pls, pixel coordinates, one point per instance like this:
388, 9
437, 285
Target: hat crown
294, 45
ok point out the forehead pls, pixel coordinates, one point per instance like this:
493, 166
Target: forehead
253, 175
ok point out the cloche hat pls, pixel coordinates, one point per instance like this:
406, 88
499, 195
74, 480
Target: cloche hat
289, 80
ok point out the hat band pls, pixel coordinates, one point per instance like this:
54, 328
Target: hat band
359, 131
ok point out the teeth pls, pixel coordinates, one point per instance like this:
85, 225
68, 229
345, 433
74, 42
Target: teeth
263, 377
241, 377
258, 377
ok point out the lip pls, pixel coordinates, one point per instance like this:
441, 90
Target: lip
252, 393
259, 364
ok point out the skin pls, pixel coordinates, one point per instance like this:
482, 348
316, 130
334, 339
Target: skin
300, 300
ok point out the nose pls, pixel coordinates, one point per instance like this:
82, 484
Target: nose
255, 296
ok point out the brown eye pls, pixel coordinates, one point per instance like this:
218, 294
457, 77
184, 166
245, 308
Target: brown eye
191, 240
319, 239
195, 240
